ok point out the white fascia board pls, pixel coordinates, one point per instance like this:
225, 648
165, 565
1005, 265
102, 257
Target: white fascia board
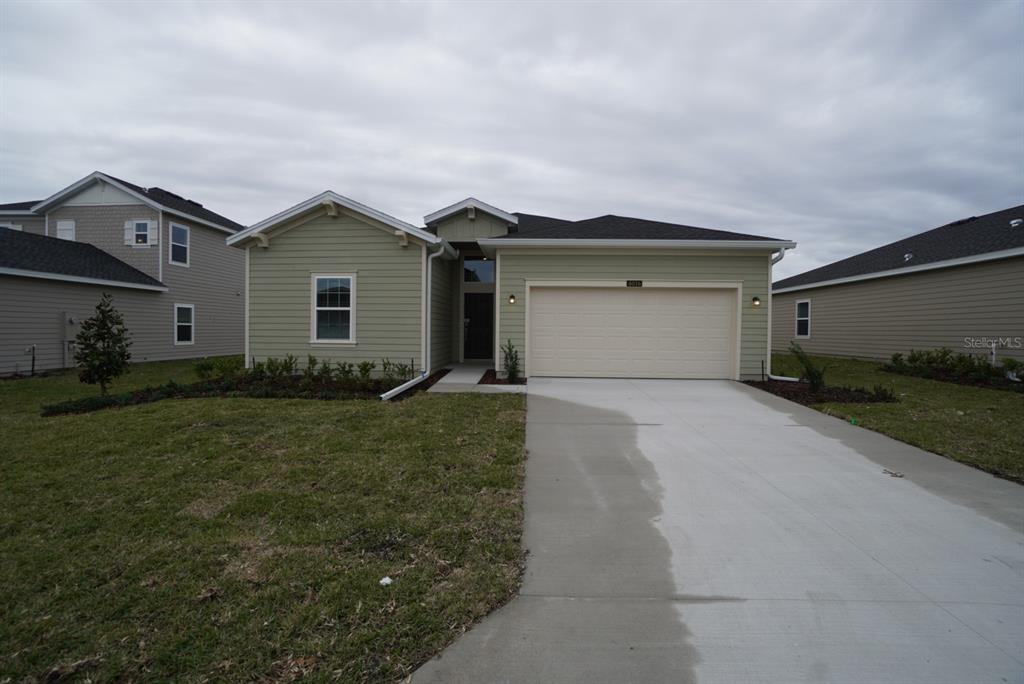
774, 245
44, 275
948, 263
99, 176
466, 204
351, 204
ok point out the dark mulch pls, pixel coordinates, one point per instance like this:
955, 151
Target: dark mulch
491, 378
801, 393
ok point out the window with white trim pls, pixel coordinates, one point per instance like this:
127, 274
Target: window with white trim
178, 249
184, 324
803, 318
333, 308
140, 232
66, 229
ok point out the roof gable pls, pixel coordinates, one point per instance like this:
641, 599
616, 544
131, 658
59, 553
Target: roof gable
327, 200
949, 245
473, 204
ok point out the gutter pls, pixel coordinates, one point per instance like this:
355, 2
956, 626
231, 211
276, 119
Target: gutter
445, 248
490, 244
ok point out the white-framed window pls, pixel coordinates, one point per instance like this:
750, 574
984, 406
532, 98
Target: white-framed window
10, 226
184, 324
333, 308
178, 251
140, 232
803, 318
66, 229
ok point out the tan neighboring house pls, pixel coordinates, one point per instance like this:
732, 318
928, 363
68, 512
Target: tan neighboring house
609, 296
959, 286
162, 257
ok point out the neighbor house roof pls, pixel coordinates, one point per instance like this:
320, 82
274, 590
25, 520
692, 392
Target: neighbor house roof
18, 207
978, 238
158, 198
38, 256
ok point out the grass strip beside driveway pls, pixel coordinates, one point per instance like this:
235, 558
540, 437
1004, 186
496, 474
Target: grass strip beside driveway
241, 539
974, 425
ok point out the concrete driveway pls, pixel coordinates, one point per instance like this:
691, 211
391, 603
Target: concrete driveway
703, 531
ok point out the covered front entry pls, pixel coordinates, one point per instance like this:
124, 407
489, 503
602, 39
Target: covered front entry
478, 325
633, 332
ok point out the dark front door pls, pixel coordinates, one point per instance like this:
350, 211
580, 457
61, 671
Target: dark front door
478, 315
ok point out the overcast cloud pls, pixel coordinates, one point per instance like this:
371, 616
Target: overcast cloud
841, 126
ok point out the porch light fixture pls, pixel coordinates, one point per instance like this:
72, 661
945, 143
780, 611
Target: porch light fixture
757, 301
511, 299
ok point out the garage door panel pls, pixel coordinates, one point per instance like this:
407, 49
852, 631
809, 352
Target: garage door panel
619, 332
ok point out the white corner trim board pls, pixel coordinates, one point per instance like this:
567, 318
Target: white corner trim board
948, 263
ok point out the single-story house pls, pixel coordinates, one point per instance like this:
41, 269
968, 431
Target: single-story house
606, 297
161, 257
959, 286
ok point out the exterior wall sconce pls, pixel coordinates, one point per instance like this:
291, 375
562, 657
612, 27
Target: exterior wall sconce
757, 301
511, 299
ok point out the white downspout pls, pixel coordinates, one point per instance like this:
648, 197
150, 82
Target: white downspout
776, 259
445, 249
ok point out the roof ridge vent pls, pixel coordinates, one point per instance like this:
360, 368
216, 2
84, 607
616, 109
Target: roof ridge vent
1016, 223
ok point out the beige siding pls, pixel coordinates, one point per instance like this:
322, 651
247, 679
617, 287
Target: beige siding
103, 226
873, 319
33, 311
388, 298
444, 289
460, 228
750, 270
29, 224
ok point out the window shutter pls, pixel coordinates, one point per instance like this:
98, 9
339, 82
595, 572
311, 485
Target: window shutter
154, 234
129, 236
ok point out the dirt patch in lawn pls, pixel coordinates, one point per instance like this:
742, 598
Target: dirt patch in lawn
491, 378
801, 393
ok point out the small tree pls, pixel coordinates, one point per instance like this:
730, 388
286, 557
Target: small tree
812, 373
510, 361
102, 346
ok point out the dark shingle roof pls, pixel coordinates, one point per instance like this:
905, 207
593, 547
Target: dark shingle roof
30, 252
964, 238
180, 204
19, 206
617, 228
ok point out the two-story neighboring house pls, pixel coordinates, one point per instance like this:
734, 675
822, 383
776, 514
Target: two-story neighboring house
162, 258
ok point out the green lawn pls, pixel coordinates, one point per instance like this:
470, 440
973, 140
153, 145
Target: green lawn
244, 539
973, 425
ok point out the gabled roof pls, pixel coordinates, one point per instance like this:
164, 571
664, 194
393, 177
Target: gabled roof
978, 238
611, 227
327, 197
466, 204
38, 256
158, 198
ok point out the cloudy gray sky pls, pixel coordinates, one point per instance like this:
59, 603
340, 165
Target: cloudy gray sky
842, 126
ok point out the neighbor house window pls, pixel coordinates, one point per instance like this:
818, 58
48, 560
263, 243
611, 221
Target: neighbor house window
140, 233
333, 308
803, 318
66, 229
180, 236
477, 271
184, 323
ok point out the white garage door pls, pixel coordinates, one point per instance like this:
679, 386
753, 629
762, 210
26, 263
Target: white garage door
632, 332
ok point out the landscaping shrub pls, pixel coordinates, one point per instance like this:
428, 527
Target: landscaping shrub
946, 365
510, 361
811, 372
101, 346
219, 367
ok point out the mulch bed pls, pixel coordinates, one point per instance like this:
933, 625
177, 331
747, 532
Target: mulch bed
801, 393
491, 378
423, 386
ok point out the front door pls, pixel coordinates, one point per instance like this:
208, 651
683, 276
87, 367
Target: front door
478, 315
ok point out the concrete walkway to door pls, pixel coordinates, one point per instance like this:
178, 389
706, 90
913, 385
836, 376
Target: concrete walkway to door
703, 531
